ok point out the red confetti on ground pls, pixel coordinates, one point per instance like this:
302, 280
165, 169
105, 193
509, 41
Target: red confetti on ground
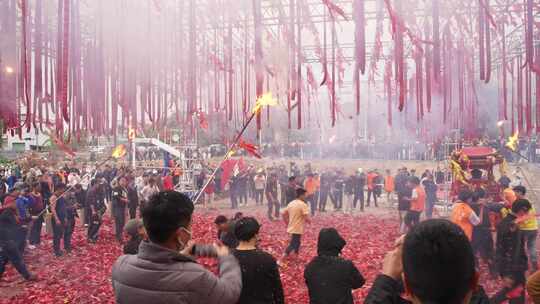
84, 275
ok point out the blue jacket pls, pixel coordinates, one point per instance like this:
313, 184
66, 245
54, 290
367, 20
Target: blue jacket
11, 180
24, 203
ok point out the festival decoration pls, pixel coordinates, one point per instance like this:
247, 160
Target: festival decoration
264, 100
458, 172
103, 83
249, 148
335, 9
473, 167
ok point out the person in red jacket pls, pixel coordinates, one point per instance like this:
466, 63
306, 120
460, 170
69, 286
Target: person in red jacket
168, 184
12, 196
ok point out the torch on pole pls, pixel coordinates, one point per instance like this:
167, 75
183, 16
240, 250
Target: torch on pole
264, 100
512, 146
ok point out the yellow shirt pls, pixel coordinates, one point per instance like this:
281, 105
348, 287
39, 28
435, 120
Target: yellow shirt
298, 211
530, 224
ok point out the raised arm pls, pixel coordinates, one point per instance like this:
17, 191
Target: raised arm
226, 288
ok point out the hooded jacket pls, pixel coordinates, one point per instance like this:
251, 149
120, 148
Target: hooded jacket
160, 275
330, 278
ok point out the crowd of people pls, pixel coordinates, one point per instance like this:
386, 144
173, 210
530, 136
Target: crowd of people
434, 262
345, 192
59, 197
160, 257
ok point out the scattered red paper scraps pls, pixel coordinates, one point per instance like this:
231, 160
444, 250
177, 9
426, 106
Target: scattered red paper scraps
84, 275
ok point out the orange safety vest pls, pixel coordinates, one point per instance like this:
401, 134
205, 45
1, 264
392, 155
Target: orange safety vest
418, 204
311, 185
389, 184
460, 216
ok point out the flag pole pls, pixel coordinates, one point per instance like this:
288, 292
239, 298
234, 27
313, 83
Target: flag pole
226, 156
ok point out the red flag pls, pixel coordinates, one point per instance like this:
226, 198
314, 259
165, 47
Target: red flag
249, 148
203, 122
229, 167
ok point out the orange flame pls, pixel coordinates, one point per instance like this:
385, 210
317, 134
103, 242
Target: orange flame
265, 100
119, 151
513, 142
131, 133
231, 153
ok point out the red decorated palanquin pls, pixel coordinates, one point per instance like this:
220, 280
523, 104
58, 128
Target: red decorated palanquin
472, 168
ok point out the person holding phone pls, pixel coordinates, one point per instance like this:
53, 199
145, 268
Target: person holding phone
164, 270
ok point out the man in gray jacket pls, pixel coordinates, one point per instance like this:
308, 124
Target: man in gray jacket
164, 271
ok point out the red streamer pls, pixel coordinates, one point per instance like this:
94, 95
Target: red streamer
24, 55
520, 95
482, 40
65, 62
360, 39
537, 91
529, 20
388, 89
436, 41
334, 9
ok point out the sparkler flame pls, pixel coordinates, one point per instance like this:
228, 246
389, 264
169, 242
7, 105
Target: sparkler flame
513, 142
9, 70
265, 100
119, 151
500, 123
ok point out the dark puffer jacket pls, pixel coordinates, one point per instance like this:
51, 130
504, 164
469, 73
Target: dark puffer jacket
159, 275
330, 278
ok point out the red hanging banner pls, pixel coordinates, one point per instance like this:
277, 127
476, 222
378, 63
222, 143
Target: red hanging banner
65, 62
